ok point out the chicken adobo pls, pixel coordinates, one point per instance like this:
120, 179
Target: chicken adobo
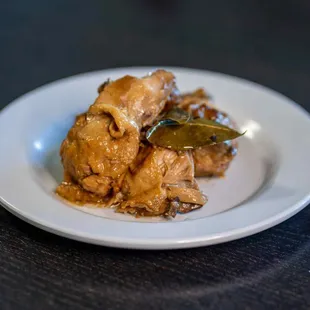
108, 158
210, 160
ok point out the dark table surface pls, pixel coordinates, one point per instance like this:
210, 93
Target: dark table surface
264, 41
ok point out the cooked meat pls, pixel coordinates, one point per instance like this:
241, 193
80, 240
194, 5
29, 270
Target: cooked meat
107, 160
159, 182
104, 141
213, 160
103, 85
74, 193
210, 160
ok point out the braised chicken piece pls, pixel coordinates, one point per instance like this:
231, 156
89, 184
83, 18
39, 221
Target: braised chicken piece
108, 161
73, 192
104, 141
160, 182
210, 160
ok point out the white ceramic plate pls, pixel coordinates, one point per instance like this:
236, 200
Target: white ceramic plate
268, 182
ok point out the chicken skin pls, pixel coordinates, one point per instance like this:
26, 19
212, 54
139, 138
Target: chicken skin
161, 182
104, 141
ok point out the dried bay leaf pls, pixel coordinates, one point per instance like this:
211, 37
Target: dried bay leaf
192, 134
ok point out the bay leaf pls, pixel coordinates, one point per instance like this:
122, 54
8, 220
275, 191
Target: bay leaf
190, 135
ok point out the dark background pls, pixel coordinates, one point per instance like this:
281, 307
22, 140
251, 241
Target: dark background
264, 41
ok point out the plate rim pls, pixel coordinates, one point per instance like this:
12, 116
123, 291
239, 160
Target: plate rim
147, 68
160, 244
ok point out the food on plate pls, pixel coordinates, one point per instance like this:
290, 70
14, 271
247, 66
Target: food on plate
160, 182
212, 160
140, 145
104, 141
189, 134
